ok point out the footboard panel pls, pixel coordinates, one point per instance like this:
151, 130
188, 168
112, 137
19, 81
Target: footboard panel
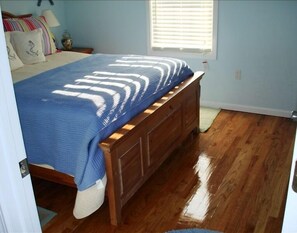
135, 151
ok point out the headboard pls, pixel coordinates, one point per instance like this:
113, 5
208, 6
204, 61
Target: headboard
6, 15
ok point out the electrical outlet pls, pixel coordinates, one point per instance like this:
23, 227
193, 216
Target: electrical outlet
238, 74
205, 65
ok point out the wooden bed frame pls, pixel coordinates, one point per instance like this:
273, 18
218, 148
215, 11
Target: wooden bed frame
7, 15
135, 151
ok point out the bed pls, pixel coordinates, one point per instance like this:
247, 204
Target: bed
117, 139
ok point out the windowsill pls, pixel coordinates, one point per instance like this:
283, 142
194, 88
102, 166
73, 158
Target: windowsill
181, 54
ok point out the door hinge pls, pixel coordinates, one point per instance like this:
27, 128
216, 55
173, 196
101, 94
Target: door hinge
24, 168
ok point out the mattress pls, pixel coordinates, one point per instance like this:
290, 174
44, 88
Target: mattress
52, 61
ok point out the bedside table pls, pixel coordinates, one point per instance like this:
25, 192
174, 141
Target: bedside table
80, 50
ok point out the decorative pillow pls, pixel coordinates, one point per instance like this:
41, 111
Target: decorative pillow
28, 46
30, 24
14, 60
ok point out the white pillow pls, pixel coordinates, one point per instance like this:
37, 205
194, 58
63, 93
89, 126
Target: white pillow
14, 60
28, 46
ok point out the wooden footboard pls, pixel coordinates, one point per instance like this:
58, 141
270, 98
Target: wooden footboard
135, 151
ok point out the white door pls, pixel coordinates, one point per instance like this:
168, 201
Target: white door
290, 223
18, 212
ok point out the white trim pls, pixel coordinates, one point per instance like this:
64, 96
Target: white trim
246, 108
213, 55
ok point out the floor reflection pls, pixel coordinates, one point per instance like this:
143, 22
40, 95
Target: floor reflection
197, 207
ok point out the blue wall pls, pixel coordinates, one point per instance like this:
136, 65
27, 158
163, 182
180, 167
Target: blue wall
108, 26
256, 37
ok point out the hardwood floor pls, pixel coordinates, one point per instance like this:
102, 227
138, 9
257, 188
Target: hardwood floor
233, 178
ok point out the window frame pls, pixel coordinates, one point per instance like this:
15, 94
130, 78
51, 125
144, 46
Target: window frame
203, 55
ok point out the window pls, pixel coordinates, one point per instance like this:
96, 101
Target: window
183, 26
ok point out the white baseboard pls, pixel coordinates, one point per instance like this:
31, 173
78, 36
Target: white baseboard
250, 109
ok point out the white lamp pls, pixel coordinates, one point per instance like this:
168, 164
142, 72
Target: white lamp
51, 19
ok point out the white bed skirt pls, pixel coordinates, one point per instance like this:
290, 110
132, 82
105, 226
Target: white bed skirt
90, 200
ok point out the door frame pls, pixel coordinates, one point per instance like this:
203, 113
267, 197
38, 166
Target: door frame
18, 211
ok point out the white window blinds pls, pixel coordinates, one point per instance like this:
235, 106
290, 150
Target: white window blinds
185, 25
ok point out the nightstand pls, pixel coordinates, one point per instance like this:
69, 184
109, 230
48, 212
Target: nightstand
80, 50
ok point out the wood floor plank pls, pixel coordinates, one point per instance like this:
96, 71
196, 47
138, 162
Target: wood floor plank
233, 178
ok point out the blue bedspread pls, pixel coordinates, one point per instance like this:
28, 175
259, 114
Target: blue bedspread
66, 111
